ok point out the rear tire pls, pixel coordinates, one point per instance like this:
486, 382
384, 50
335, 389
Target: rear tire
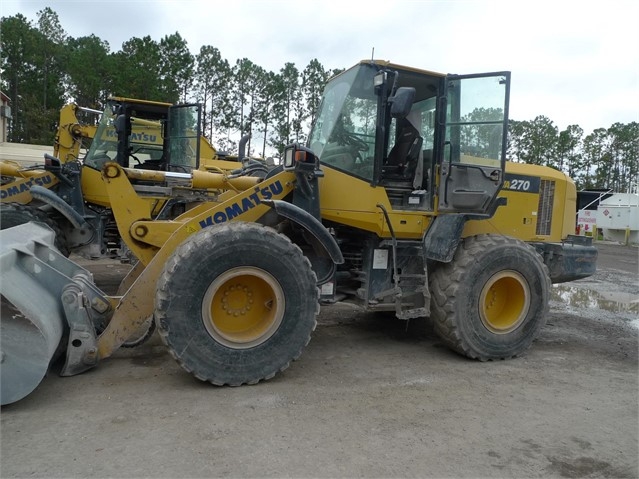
492, 300
236, 303
15, 214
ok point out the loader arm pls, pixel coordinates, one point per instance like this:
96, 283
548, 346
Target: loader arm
19, 190
143, 236
49, 300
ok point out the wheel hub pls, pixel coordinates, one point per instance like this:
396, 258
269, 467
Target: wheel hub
504, 302
237, 300
243, 307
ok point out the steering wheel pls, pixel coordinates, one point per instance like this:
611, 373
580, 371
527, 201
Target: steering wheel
350, 139
132, 155
358, 143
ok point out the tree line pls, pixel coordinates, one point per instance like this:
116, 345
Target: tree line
43, 68
607, 158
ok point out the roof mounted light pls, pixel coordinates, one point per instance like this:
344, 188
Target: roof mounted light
379, 79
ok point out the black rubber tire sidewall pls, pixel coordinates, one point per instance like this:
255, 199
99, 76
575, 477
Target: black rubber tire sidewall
456, 288
15, 214
186, 278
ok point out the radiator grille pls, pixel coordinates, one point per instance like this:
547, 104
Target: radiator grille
544, 209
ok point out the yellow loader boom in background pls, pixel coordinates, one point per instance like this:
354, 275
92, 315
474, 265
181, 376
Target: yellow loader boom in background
401, 201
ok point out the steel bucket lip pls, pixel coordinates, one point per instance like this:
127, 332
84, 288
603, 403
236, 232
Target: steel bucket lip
24, 357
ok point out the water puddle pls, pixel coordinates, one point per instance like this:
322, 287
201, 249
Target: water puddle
613, 301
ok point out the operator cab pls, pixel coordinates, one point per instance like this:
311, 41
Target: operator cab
147, 135
397, 128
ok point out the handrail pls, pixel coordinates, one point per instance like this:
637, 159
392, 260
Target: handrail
593, 201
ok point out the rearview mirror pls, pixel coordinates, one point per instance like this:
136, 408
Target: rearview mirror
402, 101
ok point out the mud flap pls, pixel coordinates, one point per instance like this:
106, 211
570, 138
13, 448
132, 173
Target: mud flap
443, 236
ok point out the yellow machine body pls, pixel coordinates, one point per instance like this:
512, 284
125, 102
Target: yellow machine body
527, 216
401, 201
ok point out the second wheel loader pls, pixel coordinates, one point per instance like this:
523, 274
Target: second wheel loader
67, 193
401, 201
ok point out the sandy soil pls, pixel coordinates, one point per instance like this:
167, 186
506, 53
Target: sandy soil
369, 397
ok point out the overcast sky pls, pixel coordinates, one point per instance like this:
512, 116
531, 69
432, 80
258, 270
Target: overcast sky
575, 62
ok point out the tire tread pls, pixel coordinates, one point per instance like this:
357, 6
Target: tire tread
446, 285
183, 254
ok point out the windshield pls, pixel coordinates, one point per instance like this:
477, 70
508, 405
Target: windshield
105, 143
343, 135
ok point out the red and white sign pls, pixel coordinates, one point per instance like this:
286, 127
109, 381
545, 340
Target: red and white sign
587, 216
586, 221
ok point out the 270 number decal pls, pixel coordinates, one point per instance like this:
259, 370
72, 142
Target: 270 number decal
523, 183
520, 185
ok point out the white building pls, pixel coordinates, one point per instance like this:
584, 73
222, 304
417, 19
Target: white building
618, 217
5, 116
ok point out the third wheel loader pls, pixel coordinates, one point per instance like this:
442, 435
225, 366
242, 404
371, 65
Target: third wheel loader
401, 201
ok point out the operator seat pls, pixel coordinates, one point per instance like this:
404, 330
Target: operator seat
403, 158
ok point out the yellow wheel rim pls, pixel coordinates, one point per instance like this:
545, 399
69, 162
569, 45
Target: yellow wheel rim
243, 307
504, 302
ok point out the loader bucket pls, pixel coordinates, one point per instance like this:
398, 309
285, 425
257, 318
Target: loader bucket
32, 323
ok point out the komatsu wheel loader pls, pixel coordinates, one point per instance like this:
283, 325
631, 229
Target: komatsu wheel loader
401, 201
67, 192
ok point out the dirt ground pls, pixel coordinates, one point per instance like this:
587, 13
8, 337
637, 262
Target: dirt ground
370, 397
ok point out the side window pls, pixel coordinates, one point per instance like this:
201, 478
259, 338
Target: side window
422, 117
183, 137
410, 149
475, 120
471, 172
146, 143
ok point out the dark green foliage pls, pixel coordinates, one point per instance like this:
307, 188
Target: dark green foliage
176, 68
43, 68
288, 93
87, 66
534, 142
135, 71
32, 75
212, 74
607, 158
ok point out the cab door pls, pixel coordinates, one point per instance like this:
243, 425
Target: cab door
183, 137
474, 142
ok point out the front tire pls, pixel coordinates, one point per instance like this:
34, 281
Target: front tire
492, 300
236, 303
15, 214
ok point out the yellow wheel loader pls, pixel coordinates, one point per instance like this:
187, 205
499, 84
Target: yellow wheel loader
67, 193
401, 201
